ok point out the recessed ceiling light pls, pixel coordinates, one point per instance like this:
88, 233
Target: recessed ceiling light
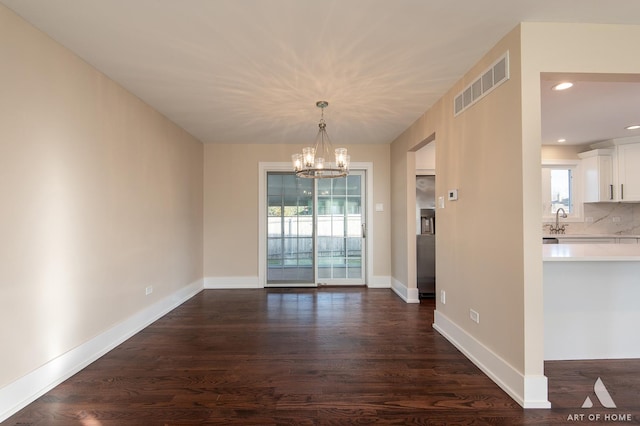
563, 86
562, 140
633, 127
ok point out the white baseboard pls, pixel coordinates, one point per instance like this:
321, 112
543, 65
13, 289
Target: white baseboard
528, 391
409, 295
379, 282
220, 283
30, 387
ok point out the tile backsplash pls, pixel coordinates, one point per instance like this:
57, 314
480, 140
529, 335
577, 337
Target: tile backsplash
607, 218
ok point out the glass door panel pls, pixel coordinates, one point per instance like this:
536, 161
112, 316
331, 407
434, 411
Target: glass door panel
290, 248
340, 230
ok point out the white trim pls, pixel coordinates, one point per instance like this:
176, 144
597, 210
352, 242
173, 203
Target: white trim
615, 142
220, 283
425, 172
379, 282
535, 390
528, 391
264, 167
17, 395
595, 153
368, 168
409, 295
557, 162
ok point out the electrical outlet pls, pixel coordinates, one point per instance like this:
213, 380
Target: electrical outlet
475, 317
148, 290
616, 219
443, 297
588, 219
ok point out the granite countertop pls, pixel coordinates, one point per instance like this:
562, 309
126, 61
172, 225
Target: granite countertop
590, 252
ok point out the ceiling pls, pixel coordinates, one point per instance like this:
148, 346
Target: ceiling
250, 71
598, 107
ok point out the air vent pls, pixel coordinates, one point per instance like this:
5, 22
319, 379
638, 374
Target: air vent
491, 78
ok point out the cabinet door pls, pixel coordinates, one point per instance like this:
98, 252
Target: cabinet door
629, 172
597, 178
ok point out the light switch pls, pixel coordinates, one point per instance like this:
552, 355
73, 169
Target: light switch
441, 202
379, 207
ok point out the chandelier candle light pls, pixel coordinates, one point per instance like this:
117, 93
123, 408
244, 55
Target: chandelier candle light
314, 161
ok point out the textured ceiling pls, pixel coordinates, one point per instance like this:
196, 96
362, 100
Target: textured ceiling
250, 71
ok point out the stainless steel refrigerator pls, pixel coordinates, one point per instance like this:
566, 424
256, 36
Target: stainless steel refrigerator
426, 235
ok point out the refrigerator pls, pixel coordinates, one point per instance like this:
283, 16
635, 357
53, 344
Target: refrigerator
426, 235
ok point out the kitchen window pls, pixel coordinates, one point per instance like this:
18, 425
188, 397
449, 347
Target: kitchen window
560, 189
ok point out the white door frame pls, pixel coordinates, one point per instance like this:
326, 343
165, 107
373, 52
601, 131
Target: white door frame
263, 169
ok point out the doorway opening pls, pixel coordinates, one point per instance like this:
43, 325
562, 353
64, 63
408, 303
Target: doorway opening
425, 222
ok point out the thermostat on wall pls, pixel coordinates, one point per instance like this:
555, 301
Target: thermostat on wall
453, 194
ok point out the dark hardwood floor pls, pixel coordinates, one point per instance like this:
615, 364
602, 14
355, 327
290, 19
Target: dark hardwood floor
330, 356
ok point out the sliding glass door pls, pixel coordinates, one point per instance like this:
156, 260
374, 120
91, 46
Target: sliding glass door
315, 230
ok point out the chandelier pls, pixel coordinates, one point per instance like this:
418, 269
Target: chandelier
314, 162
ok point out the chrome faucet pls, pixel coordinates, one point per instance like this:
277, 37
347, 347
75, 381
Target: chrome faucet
559, 229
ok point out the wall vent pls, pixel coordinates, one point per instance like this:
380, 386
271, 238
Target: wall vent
491, 78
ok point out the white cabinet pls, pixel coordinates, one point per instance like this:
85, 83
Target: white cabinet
612, 174
628, 172
597, 175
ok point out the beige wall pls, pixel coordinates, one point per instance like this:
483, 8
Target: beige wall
479, 241
101, 196
562, 152
425, 158
231, 205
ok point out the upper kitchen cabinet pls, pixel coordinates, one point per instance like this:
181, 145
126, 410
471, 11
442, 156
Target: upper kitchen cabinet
597, 175
628, 172
612, 172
